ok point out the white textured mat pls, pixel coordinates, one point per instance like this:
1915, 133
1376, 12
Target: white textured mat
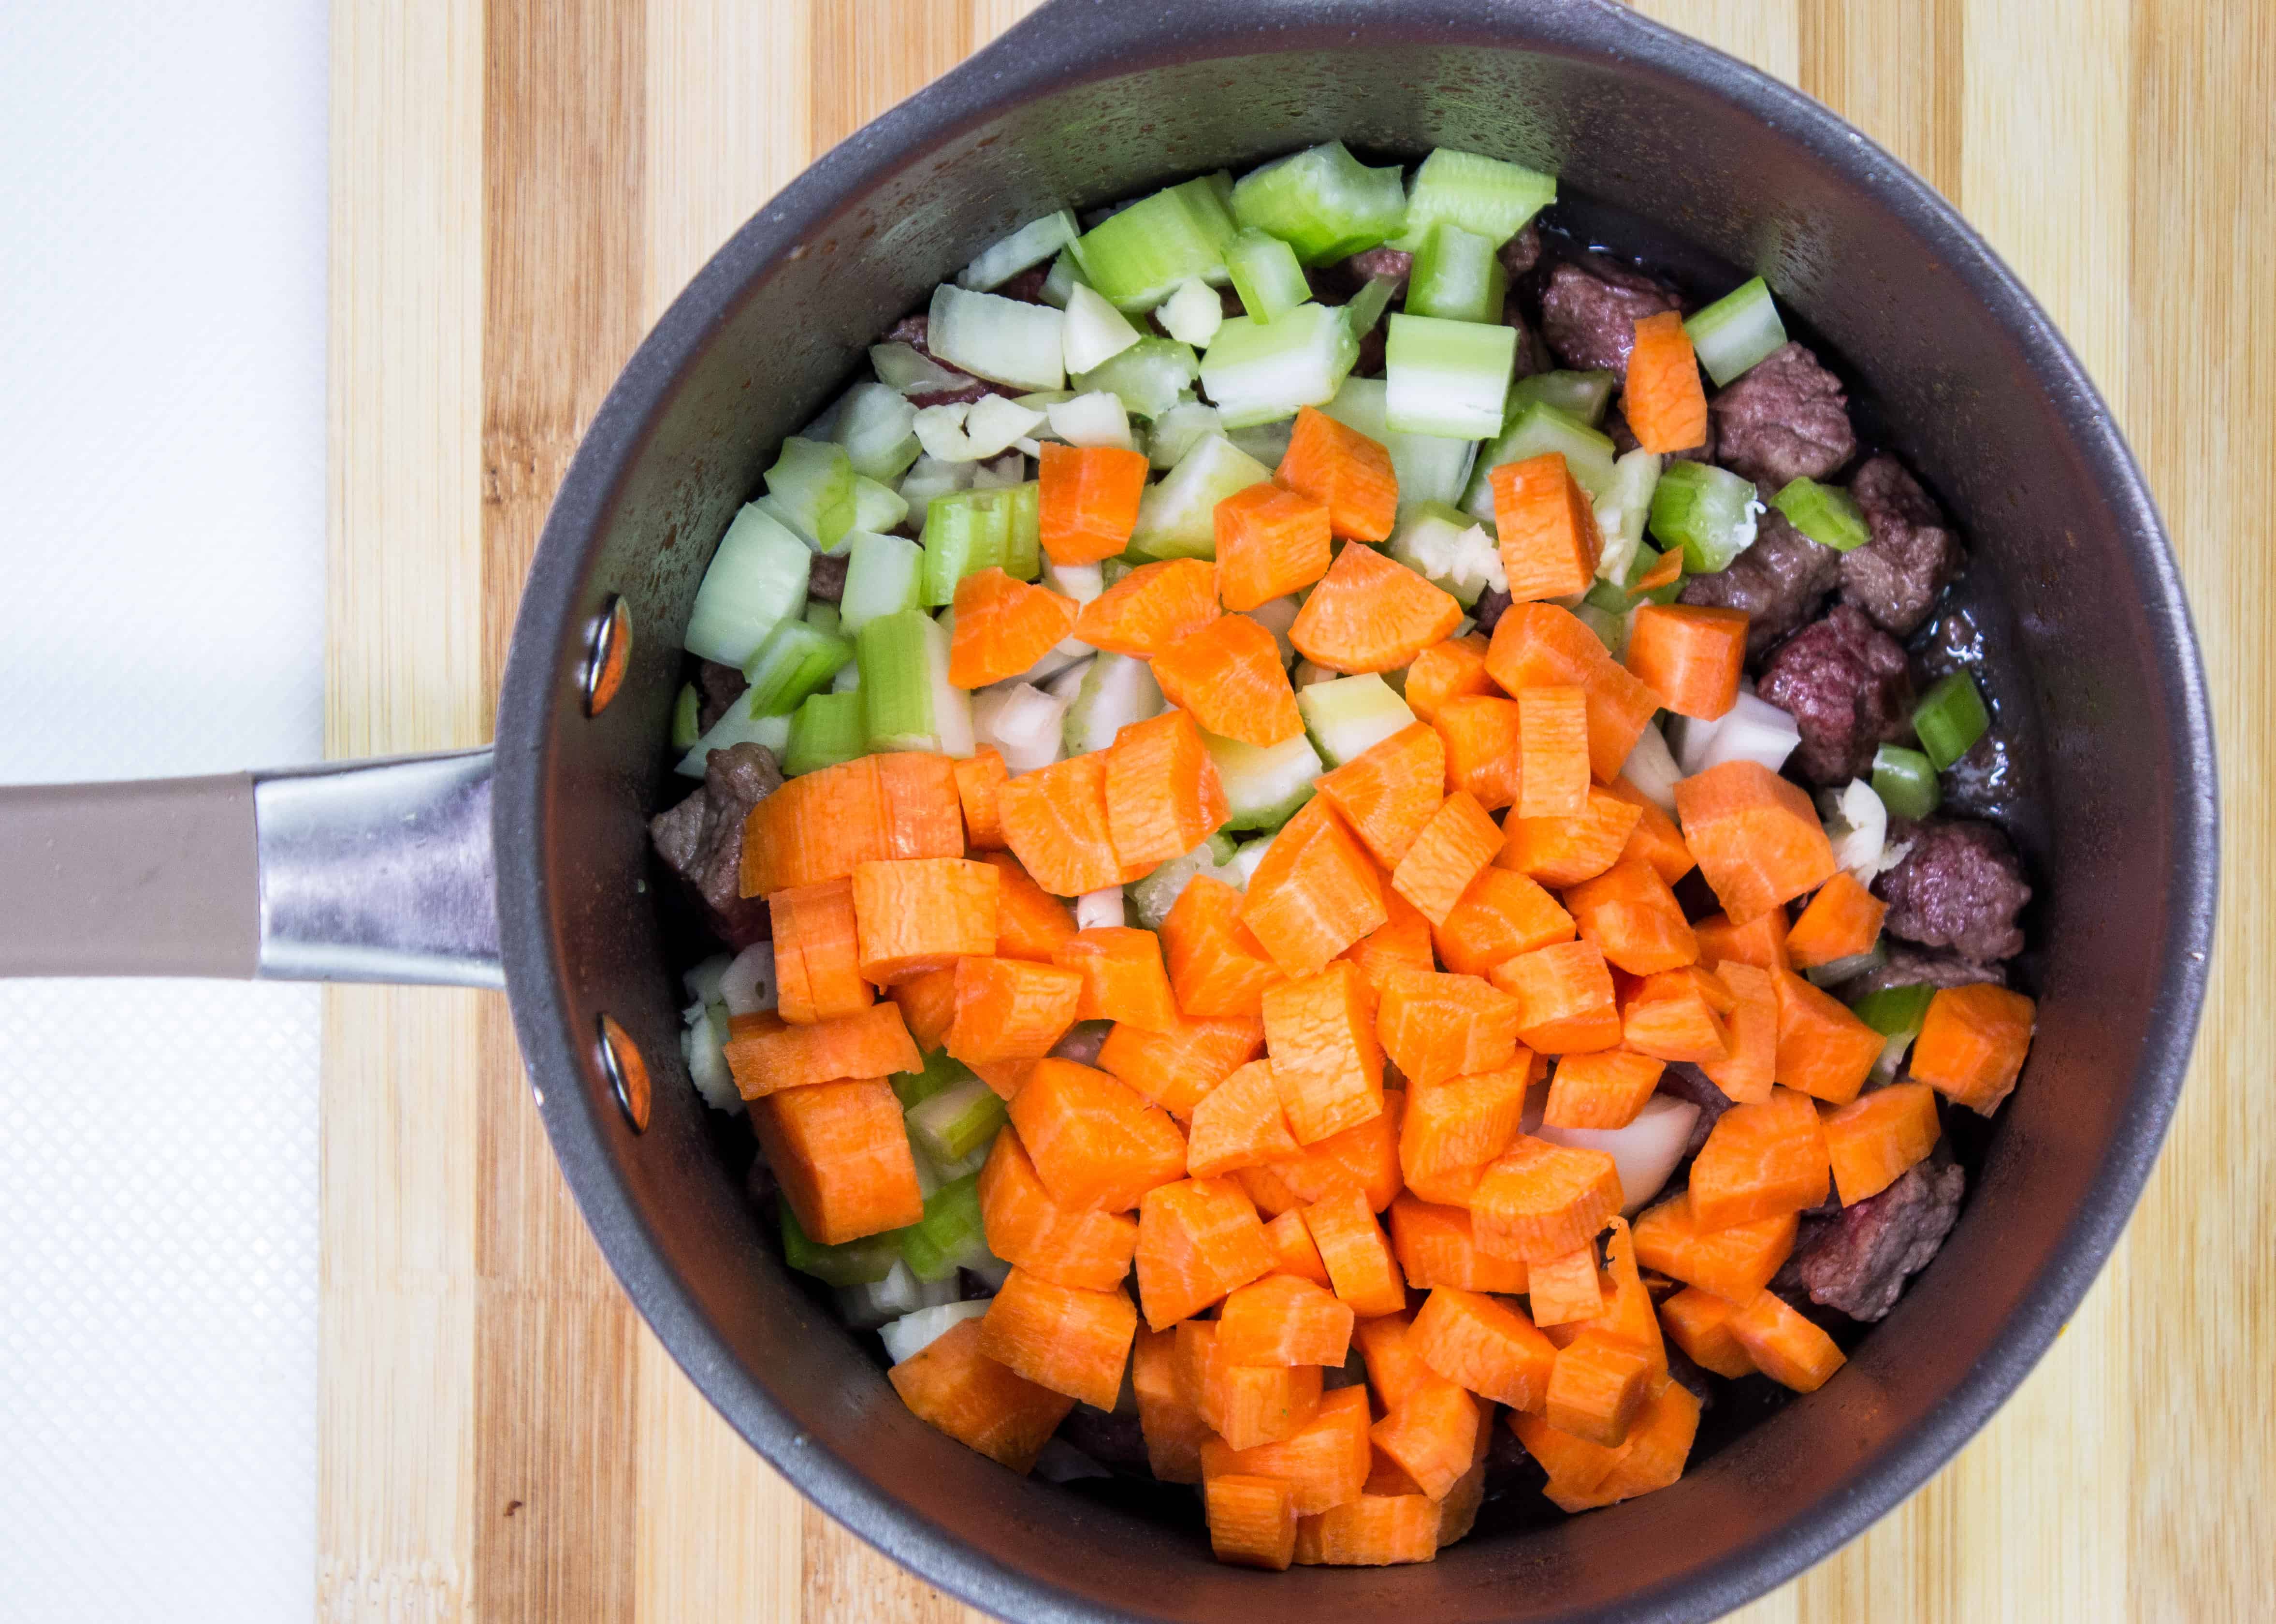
161, 547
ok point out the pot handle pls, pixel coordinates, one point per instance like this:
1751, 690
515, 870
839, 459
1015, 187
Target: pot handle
370, 871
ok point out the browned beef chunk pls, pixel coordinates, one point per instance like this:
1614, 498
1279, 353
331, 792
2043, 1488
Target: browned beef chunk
1896, 576
1532, 355
1779, 581
1960, 886
716, 687
1786, 417
1369, 263
1858, 1261
1687, 1081
825, 577
1489, 610
1589, 307
1523, 252
702, 838
1028, 287
1911, 967
1843, 681
914, 331
1616, 429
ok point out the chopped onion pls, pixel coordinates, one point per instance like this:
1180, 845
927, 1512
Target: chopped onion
1752, 730
911, 371
1095, 910
747, 986
1095, 419
933, 476
1008, 470
1652, 767
940, 430
1645, 1152
1859, 830
1080, 582
912, 1334
1021, 721
1194, 313
994, 423
1095, 332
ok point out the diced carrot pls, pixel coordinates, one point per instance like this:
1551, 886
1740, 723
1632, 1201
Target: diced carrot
1656, 841
1324, 1463
1842, 921
1371, 613
1150, 608
1436, 1027
1009, 1009
1172, 1424
1665, 572
1069, 1246
1690, 654
1733, 1263
1175, 1068
1273, 1198
978, 777
1375, 1530
1601, 1089
1564, 1289
1088, 500
1163, 796
1455, 669
1452, 1188
1249, 1405
919, 915
1575, 1466
1435, 1246
1388, 791
1004, 626
1197, 1239
1252, 1520
1293, 1252
1364, 1158
1461, 1122
1458, 1513
1677, 1015
1004, 1078
1597, 1388
1549, 543
1056, 822
1629, 913
1122, 976
927, 1005
1871, 1140
1319, 1030
1699, 1323
1481, 735
1332, 463
1386, 1476
1270, 543
1760, 942
1539, 1201
1432, 1434
1552, 752
820, 825
1356, 1252
950, 1384
1030, 922
1535, 645
1628, 1316
1502, 915
1822, 1049
1484, 1345
817, 953
1972, 1045
1658, 1443
1393, 1363
1238, 1124
1229, 676
1218, 967
1095, 1143
1280, 1319
1564, 851
1664, 401
1564, 995
1760, 1162
1070, 1341
1452, 850
842, 1157
1756, 836
766, 1056
1401, 943
1746, 1073
1784, 1347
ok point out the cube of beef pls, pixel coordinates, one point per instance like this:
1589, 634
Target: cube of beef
1843, 681
1780, 581
1782, 418
1960, 886
1897, 575
702, 839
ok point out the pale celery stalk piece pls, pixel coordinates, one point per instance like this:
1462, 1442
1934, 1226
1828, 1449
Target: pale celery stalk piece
1428, 468
1368, 305
812, 481
1177, 430
1457, 276
1030, 245
1268, 443
1001, 339
1095, 332
1148, 378
1737, 330
906, 697
1264, 784
1485, 195
1257, 373
1448, 378
796, 660
1623, 508
1194, 313
1246, 857
1581, 395
1266, 275
1535, 431
827, 729
1450, 550
757, 579
1177, 517
877, 427
1098, 418
685, 710
1138, 257
1323, 202
1349, 715
883, 574
877, 506
931, 477
1709, 513
739, 725
948, 1125
1116, 691
1064, 273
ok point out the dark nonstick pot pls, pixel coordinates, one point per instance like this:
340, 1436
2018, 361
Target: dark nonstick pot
384, 872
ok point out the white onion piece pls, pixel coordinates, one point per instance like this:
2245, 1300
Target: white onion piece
1645, 1151
1021, 721
1080, 582
1752, 730
702, 981
1308, 675
1060, 657
913, 1334
1093, 332
749, 984
1194, 313
1095, 419
1652, 767
1095, 910
1859, 831
994, 423
1068, 683
940, 430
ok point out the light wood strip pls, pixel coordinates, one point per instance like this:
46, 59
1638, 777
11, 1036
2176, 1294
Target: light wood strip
1895, 69
1765, 33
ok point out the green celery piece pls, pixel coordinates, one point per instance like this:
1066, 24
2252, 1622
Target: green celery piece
941, 1074
1534, 430
1367, 306
685, 710
1895, 1012
1581, 395
1138, 257
1177, 515
884, 575
821, 617
1023, 547
948, 1235
895, 652
1736, 330
1705, 511
1645, 558
1147, 378
1486, 196
1031, 245
1457, 276
957, 1121
1259, 373
965, 531
1611, 627
794, 661
757, 578
1826, 514
1065, 273
1446, 378
814, 481
877, 508
828, 728
854, 1262
1266, 275
1950, 718
1323, 202
1906, 781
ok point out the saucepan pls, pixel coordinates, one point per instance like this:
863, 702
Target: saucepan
527, 865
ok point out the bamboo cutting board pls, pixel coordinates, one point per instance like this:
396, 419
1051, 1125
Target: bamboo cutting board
518, 193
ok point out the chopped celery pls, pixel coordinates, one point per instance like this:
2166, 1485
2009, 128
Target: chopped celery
1095, 332
828, 728
739, 725
1736, 330
1147, 378
1368, 305
877, 427
855, 1263
1621, 511
948, 1235
1449, 549
1349, 715
1581, 395
1834, 972
821, 617
1430, 467
1154, 896
1950, 718
703, 1044
1707, 511
1481, 195
1457, 276
1138, 257
794, 661
990, 336
957, 1121
941, 1072
1098, 418
1268, 443
1177, 517
1194, 313
814, 481
1906, 781
878, 507
1536, 429
908, 701
884, 575
1257, 373
1323, 202
1117, 690
1001, 474
932, 476
757, 578
965, 531
1064, 277
909, 370
1246, 859
1266, 275
1826, 514
1448, 378
1895, 1012
684, 710
1609, 625
1264, 784
1023, 547
1031, 245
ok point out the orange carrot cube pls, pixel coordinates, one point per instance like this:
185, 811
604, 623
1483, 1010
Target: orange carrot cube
1552, 752
1872, 1141
1252, 1520
1677, 1015
1455, 669
928, 1004
1822, 1049
951, 1386
1072, 1341
1656, 841
1088, 502
1755, 835
1629, 913
1435, 1027
1008, 1009
1760, 942
1293, 1252
820, 825
920, 914
1733, 1263
1030, 922
1661, 394
1056, 822
1539, 1201
1356, 1254
1460, 1122
1228, 675
1163, 796
1238, 1124
1324, 1463
1171, 1423
1690, 654
1481, 734
1435, 1246
1315, 894
1451, 850
1603, 1089
1842, 921
1484, 1345
1389, 792
1150, 608
1972, 1045
1068, 1246
1319, 1031
1371, 613
1338, 465
1374, 1531
1760, 1162
1563, 992
1502, 915
766, 1056
1565, 851
1270, 543
1197, 1239
1175, 1068
842, 1157
817, 953
1003, 626
1095, 1143
1564, 1289
1699, 1323
1217, 966
1547, 528
1597, 1389
1747, 1072
1784, 1347
1122, 976
1401, 943
1538, 645
1281, 1319
1432, 1434
978, 778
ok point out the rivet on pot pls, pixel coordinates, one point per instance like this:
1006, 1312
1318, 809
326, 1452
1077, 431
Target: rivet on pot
621, 1058
608, 657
